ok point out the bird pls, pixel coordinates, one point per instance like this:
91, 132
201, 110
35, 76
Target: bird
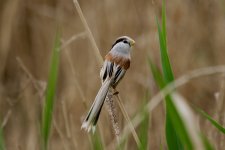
116, 63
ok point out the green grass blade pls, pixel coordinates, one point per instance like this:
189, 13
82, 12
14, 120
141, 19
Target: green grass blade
156, 74
96, 141
173, 119
213, 122
164, 22
173, 141
143, 132
177, 126
167, 70
50, 93
206, 143
2, 143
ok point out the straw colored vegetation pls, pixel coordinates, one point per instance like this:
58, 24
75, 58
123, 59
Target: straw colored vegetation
51, 54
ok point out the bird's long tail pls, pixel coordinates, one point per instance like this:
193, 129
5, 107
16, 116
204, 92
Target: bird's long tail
93, 114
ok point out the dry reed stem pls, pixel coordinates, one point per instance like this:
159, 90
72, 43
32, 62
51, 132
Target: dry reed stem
40, 88
74, 141
72, 39
30, 76
67, 126
90, 36
20, 96
60, 135
126, 116
155, 100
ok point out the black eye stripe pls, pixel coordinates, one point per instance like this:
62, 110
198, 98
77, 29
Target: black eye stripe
119, 40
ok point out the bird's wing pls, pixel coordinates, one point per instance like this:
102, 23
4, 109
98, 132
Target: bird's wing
107, 70
112, 71
118, 75
114, 68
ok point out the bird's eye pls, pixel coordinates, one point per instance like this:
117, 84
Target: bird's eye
125, 42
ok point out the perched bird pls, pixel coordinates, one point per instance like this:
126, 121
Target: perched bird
116, 63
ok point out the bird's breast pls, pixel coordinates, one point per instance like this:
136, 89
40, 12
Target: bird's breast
122, 61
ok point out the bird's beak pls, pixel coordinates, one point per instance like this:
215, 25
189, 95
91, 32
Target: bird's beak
132, 42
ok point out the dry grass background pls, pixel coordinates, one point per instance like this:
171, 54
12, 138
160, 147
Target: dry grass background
196, 36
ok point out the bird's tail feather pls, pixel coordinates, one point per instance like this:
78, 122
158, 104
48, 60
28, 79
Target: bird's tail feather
93, 114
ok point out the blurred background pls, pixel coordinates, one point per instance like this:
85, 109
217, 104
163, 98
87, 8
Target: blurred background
195, 34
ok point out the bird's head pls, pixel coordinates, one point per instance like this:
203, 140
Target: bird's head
123, 44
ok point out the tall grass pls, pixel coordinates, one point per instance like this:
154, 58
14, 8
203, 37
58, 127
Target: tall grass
173, 120
178, 135
50, 94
